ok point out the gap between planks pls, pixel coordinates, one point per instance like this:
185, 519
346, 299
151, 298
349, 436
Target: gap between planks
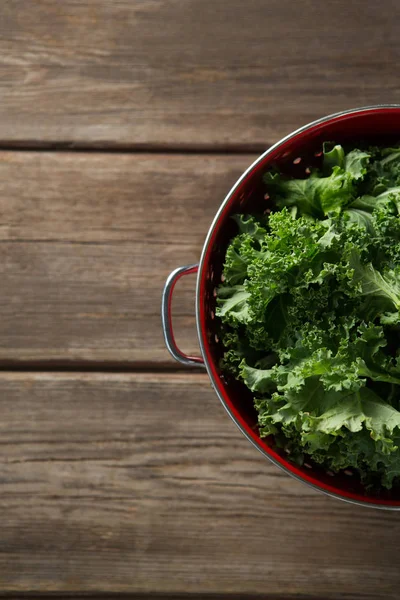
155, 596
79, 366
121, 148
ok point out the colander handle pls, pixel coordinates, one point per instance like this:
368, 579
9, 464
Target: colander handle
166, 317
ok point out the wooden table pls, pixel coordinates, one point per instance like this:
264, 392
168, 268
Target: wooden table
123, 123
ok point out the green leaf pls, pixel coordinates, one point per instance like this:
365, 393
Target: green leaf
392, 193
382, 288
236, 265
391, 156
365, 203
233, 304
361, 218
315, 196
356, 163
309, 313
390, 318
250, 225
333, 157
356, 411
257, 380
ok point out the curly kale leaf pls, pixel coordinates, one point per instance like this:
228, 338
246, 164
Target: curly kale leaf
310, 312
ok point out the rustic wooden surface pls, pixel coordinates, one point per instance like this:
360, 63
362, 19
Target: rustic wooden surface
152, 489
122, 126
87, 241
189, 72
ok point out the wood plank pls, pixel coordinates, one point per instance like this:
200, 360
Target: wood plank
173, 72
141, 483
86, 243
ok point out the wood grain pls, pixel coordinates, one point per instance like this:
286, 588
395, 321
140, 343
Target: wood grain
194, 73
141, 483
86, 243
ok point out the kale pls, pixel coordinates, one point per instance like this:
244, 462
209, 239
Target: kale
310, 312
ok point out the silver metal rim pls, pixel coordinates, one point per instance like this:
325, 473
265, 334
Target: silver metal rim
365, 504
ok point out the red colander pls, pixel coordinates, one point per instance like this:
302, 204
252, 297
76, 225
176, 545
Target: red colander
373, 124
